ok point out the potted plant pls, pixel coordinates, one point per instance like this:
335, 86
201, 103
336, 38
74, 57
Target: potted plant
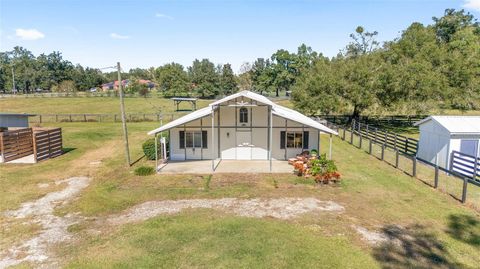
324, 170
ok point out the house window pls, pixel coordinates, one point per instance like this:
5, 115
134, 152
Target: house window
243, 115
193, 139
293, 140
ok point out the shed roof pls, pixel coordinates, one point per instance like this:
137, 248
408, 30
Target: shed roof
277, 110
16, 114
456, 124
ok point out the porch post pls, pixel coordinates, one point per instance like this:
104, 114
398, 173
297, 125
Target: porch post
156, 153
330, 150
213, 139
318, 146
270, 127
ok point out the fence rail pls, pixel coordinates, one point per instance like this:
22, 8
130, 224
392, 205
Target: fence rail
397, 120
464, 169
405, 145
465, 165
95, 117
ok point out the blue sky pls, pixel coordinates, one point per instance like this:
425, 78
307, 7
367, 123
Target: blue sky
148, 33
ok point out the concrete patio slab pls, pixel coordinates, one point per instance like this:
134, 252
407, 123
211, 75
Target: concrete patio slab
224, 166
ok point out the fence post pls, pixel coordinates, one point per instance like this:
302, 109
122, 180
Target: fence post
56, 117
464, 192
383, 151
370, 146
475, 168
360, 144
435, 183
70, 116
376, 130
396, 158
114, 117
85, 117
395, 143
406, 145
351, 135
40, 118
414, 168
343, 138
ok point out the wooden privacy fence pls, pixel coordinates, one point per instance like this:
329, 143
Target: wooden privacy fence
47, 143
43, 143
16, 144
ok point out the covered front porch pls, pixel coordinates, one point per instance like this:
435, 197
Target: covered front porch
224, 166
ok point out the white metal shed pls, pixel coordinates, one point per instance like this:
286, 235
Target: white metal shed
441, 135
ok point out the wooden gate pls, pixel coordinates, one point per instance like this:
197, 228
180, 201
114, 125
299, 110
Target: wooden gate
47, 143
16, 144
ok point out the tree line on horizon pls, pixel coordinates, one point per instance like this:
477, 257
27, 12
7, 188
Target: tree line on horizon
425, 67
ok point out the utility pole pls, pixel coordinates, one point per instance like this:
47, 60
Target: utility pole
122, 108
13, 77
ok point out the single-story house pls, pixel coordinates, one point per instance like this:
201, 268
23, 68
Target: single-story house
14, 120
441, 135
242, 126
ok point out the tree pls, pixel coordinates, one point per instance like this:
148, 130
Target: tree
204, 78
317, 89
362, 43
245, 77
228, 84
263, 76
173, 80
451, 22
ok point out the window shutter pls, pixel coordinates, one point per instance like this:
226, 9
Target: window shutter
182, 139
204, 139
282, 139
305, 140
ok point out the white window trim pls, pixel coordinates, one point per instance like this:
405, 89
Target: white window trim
295, 134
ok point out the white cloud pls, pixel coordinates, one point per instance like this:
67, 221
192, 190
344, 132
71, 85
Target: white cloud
472, 4
117, 36
163, 16
29, 34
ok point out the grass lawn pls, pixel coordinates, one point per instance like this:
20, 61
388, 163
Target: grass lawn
107, 105
430, 229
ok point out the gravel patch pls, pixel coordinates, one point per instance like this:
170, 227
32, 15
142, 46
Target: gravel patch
282, 208
54, 228
371, 237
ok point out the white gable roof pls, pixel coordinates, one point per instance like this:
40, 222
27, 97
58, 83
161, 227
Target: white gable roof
197, 114
293, 115
248, 94
277, 110
456, 124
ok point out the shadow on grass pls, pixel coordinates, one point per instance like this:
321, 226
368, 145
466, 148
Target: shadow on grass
67, 150
412, 247
465, 228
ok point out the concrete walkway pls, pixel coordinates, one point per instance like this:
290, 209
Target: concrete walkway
224, 166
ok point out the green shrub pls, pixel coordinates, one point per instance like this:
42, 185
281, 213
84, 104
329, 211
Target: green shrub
149, 148
144, 171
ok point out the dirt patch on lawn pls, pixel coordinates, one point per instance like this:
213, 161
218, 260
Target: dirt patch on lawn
53, 228
282, 208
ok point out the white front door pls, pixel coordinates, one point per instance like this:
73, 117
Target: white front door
244, 145
193, 145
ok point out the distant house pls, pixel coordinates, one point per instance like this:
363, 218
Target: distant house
441, 135
114, 84
14, 120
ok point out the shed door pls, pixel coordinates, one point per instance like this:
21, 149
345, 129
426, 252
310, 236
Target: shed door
244, 145
469, 147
